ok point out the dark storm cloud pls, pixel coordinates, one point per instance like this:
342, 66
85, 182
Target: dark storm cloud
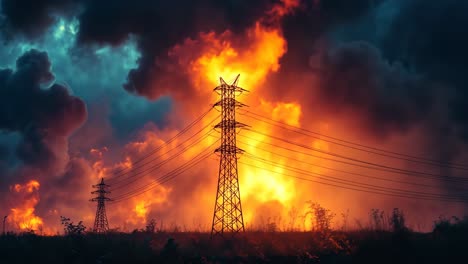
4, 156
354, 77
31, 17
342, 11
432, 38
44, 116
312, 21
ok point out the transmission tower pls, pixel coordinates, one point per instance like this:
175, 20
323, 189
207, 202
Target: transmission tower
227, 217
100, 222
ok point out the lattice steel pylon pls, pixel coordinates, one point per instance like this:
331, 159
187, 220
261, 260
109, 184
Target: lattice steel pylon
227, 217
101, 225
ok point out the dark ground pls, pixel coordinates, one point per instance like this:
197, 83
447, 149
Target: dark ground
446, 244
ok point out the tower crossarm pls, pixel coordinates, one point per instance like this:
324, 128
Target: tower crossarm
229, 102
230, 124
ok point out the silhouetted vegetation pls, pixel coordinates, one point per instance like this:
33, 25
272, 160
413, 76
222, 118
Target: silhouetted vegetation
151, 226
387, 239
70, 228
321, 217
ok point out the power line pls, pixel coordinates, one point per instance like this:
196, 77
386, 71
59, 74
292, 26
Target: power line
351, 188
352, 183
157, 166
183, 131
160, 181
402, 171
115, 174
342, 171
356, 164
124, 183
373, 150
345, 162
168, 176
133, 168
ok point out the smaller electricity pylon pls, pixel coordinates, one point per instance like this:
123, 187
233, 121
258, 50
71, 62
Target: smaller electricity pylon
101, 225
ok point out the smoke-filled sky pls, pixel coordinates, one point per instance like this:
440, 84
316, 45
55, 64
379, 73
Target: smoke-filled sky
89, 87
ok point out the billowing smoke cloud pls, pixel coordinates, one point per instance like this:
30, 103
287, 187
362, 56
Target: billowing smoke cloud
354, 77
44, 114
31, 18
157, 25
430, 37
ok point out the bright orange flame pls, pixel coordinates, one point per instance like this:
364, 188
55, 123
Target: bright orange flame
288, 113
143, 203
141, 209
253, 63
23, 215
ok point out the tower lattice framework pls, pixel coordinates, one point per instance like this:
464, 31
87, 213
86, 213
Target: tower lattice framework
227, 217
101, 225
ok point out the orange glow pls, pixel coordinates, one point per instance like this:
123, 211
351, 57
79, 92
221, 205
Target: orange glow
141, 210
320, 144
22, 216
103, 171
288, 113
261, 56
143, 204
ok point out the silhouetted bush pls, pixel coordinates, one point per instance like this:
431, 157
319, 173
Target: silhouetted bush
321, 217
70, 228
